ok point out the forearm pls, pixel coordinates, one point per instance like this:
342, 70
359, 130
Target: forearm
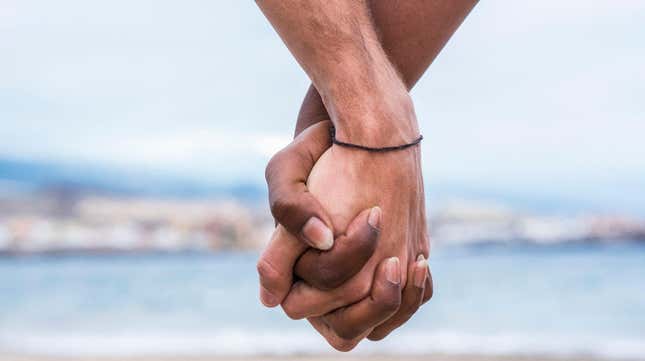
337, 46
412, 33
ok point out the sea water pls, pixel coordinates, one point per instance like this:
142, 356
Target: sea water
554, 300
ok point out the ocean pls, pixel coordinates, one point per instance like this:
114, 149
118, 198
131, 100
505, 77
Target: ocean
550, 300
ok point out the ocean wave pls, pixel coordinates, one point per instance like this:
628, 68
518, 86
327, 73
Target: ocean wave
237, 342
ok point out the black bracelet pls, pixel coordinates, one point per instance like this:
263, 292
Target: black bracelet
332, 133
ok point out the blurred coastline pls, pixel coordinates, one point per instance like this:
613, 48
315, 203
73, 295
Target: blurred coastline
61, 223
55, 221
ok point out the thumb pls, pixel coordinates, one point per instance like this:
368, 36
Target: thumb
328, 270
291, 203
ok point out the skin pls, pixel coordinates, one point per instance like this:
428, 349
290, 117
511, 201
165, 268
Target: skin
412, 33
403, 233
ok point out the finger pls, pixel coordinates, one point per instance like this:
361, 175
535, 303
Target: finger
429, 288
291, 203
275, 266
303, 300
327, 270
383, 302
331, 337
411, 300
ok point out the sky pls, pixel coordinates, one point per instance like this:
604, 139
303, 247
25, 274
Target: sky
526, 97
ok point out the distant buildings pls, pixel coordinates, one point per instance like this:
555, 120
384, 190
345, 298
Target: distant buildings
48, 223
467, 223
101, 224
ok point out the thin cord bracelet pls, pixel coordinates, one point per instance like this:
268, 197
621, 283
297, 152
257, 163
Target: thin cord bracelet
332, 132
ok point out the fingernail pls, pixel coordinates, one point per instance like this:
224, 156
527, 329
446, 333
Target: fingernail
267, 298
393, 271
318, 234
420, 272
374, 218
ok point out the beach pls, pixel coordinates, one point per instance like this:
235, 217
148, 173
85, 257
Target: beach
309, 358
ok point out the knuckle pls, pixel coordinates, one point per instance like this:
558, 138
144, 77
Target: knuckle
273, 165
281, 207
407, 309
343, 327
347, 332
270, 169
377, 335
269, 275
389, 302
359, 289
292, 311
294, 306
364, 289
343, 345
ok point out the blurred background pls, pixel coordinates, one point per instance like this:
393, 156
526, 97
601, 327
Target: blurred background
133, 140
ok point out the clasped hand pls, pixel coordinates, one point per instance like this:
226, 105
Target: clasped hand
350, 249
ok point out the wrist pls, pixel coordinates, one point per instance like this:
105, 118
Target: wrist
377, 121
367, 101
369, 104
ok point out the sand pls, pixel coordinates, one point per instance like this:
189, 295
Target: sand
342, 357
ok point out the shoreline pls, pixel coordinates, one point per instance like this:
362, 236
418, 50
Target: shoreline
345, 357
